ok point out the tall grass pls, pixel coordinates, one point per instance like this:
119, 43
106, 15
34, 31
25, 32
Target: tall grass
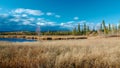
91, 53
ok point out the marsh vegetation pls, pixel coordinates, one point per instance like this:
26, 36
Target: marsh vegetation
87, 53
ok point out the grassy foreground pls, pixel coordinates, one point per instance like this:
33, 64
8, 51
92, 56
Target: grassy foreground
88, 53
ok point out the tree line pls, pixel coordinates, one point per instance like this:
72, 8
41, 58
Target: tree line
81, 29
103, 29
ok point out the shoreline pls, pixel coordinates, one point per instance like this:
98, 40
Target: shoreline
43, 37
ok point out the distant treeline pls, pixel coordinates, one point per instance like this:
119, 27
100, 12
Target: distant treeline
83, 29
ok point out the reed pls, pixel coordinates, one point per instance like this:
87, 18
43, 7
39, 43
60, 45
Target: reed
87, 53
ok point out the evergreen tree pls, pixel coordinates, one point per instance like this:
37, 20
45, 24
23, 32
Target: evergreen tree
100, 31
113, 28
74, 31
79, 31
101, 27
109, 27
87, 30
119, 26
84, 29
105, 28
116, 28
93, 29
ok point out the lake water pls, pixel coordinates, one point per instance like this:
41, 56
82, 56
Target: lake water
16, 40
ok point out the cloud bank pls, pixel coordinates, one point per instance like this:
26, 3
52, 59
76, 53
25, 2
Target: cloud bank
28, 19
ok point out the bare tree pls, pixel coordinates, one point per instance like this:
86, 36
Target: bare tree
38, 30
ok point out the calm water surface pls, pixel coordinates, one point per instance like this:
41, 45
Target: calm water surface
16, 40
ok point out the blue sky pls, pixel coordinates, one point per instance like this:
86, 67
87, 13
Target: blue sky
56, 14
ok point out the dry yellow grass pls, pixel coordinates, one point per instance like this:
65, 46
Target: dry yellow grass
87, 53
44, 37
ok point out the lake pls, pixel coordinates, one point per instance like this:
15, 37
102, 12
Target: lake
16, 40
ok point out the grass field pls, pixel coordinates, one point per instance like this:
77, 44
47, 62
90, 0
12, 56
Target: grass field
85, 53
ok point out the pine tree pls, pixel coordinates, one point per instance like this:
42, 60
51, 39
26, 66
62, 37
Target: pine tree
113, 28
100, 31
109, 27
105, 28
87, 30
82, 32
119, 26
84, 29
74, 31
101, 27
79, 31
93, 29
116, 28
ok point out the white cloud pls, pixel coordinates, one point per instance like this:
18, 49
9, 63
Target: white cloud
16, 15
44, 22
76, 18
24, 15
51, 23
71, 24
49, 14
68, 24
4, 15
82, 22
39, 19
15, 20
31, 19
26, 22
41, 24
62, 24
28, 11
20, 15
22, 20
52, 14
57, 16
20, 10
